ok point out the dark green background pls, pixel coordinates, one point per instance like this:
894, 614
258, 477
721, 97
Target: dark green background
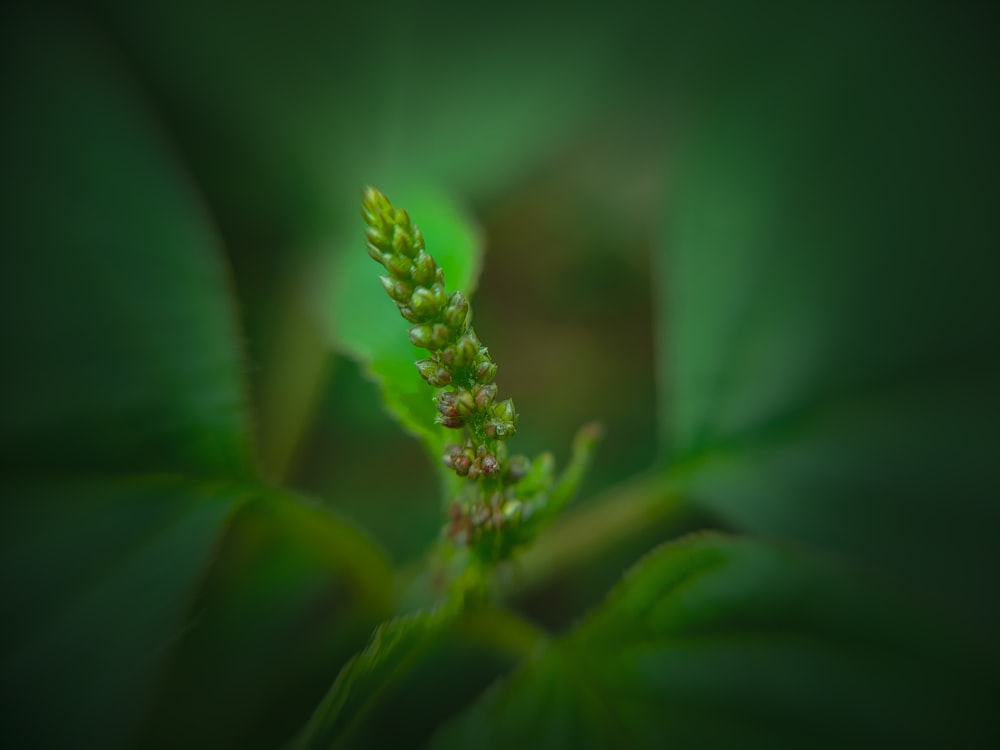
758, 241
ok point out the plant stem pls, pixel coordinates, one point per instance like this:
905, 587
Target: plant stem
615, 515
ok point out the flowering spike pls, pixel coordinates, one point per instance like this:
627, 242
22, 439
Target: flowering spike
506, 493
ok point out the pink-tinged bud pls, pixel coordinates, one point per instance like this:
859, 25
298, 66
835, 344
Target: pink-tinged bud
455, 404
424, 302
462, 465
448, 356
442, 335
432, 371
457, 458
445, 403
489, 465
399, 267
425, 269
448, 421
422, 336
484, 395
485, 371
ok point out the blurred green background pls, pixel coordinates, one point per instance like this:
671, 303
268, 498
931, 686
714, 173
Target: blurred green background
758, 242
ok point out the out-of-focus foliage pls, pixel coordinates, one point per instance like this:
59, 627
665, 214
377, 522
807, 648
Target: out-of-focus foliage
765, 233
718, 642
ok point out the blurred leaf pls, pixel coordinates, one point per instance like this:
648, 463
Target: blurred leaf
288, 110
367, 324
829, 282
720, 642
292, 594
97, 576
119, 340
416, 670
124, 361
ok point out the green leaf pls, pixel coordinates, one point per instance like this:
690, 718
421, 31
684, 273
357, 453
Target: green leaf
367, 324
829, 288
292, 594
97, 577
124, 424
416, 670
118, 335
720, 642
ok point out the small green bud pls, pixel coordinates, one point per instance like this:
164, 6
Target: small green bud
401, 218
457, 312
425, 302
422, 336
411, 315
376, 238
425, 270
400, 291
502, 421
399, 267
402, 241
465, 402
464, 352
376, 254
440, 295
374, 204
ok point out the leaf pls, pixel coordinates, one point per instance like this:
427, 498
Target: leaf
829, 296
416, 670
292, 594
126, 447
440, 97
367, 324
115, 321
97, 577
720, 642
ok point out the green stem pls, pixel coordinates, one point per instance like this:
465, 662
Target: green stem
617, 514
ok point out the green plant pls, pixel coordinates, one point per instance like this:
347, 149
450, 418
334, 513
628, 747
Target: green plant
757, 241
505, 500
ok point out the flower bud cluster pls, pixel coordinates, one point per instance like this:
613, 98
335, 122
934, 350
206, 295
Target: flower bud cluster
471, 461
458, 364
441, 324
